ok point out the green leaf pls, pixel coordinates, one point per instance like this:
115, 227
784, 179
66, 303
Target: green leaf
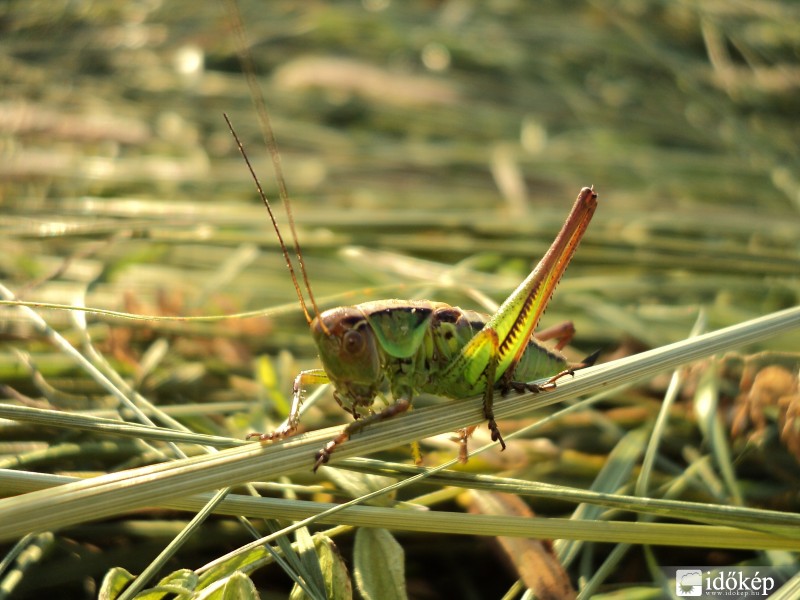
115, 581
706, 406
379, 565
337, 578
334, 578
184, 578
309, 567
240, 587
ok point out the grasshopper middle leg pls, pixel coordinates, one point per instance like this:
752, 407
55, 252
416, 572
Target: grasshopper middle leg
324, 455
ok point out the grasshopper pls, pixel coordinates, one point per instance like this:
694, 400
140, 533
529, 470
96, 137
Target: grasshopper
406, 347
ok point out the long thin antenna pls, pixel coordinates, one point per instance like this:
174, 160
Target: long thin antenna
268, 136
272, 218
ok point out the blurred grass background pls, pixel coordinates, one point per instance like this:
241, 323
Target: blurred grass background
444, 131
435, 146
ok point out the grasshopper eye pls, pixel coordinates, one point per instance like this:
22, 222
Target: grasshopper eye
353, 342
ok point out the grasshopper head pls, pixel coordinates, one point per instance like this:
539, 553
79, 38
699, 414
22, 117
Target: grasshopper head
349, 354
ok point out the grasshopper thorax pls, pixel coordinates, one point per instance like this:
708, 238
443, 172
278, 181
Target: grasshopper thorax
349, 353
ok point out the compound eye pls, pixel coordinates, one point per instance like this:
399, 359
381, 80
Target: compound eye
353, 342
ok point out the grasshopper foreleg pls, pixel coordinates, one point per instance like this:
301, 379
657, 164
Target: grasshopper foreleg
289, 426
324, 455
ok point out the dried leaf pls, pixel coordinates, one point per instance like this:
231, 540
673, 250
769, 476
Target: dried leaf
533, 560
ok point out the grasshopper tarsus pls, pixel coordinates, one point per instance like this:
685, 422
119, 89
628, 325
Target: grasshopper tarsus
272, 436
496, 437
323, 455
521, 387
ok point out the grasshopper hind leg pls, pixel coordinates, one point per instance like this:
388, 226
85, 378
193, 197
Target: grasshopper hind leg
488, 394
521, 386
561, 332
586, 362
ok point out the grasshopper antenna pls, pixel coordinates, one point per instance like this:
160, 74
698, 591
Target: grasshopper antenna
267, 134
284, 249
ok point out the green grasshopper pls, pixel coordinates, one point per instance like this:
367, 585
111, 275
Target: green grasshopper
406, 347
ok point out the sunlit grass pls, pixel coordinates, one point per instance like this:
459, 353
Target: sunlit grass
122, 191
